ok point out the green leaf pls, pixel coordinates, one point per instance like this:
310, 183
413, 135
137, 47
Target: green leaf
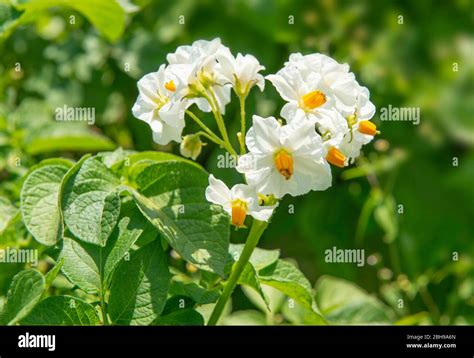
176, 303
61, 139
9, 18
89, 266
39, 203
25, 292
139, 291
132, 226
172, 197
286, 278
198, 294
245, 318
260, 258
299, 315
53, 273
81, 264
62, 311
156, 157
7, 213
275, 299
342, 302
249, 277
183, 317
90, 201
106, 15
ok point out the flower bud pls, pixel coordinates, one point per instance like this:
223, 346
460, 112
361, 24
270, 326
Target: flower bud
206, 78
191, 146
267, 200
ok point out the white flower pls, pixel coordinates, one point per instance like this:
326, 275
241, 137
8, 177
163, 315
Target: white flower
364, 109
284, 159
197, 64
360, 133
241, 71
361, 130
240, 201
315, 82
160, 104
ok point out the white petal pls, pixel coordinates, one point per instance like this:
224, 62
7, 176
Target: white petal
223, 96
300, 134
166, 134
263, 136
218, 193
143, 109
289, 111
242, 192
262, 213
310, 174
286, 91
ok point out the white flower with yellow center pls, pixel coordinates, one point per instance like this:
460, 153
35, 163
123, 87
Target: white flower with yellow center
241, 71
361, 133
240, 201
284, 159
197, 66
361, 129
315, 82
332, 128
160, 104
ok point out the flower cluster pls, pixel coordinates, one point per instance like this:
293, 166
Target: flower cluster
325, 121
201, 74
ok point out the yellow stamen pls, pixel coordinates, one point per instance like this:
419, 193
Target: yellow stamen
314, 99
335, 157
367, 127
170, 86
284, 164
239, 212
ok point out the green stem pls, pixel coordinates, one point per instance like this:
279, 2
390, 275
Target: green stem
430, 303
242, 125
204, 134
258, 227
220, 121
103, 308
210, 133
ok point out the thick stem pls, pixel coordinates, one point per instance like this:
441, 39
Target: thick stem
242, 125
258, 227
103, 308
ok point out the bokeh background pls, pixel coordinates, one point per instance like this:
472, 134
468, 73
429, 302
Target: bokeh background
409, 199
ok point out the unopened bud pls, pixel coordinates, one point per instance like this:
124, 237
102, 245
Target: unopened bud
191, 146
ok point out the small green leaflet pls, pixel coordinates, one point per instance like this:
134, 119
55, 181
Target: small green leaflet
343, 302
39, 203
90, 201
286, 278
63, 311
106, 15
184, 317
7, 213
25, 292
140, 287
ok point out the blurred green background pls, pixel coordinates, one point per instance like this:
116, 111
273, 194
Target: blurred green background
408, 201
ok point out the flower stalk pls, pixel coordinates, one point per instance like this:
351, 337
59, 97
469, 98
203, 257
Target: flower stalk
242, 125
256, 231
220, 122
